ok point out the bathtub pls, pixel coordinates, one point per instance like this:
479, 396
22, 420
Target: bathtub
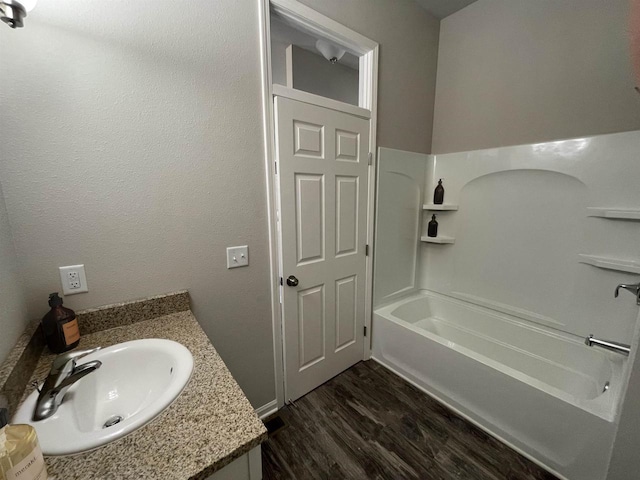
543, 393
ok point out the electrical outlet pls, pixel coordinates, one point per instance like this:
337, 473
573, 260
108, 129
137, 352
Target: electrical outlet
73, 279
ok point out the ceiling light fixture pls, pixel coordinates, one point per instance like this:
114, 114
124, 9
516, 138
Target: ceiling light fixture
13, 12
331, 52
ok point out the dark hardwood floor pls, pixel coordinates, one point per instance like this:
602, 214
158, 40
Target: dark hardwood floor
368, 423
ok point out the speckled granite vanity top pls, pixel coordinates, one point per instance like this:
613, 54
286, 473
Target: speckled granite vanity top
210, 424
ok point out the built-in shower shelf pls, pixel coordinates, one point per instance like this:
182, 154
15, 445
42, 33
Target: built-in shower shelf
608, 263
445, 207
614, 213
439, 239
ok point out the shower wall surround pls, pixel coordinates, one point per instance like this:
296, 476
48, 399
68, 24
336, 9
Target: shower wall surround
544, 232
492, 323
399, 203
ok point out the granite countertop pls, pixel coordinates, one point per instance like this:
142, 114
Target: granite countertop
209, 425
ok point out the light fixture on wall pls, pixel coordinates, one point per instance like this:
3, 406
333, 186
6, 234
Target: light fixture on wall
331, 52
13, 12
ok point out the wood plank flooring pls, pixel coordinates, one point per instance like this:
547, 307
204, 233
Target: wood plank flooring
368, 423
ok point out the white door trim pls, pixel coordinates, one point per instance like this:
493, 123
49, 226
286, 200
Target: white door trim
268, 128
305, 97
314, 23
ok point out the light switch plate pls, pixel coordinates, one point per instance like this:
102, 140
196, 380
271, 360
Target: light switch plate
73, 279
237, 256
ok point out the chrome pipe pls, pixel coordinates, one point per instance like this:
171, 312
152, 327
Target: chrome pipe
620, 348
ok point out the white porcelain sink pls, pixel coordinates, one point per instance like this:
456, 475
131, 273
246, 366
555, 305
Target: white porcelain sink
136, 382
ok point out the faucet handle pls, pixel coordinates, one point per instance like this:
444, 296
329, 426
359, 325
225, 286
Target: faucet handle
83, 370
61, 362
635, 289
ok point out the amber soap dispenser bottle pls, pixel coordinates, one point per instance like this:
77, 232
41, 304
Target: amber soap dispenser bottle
60, 326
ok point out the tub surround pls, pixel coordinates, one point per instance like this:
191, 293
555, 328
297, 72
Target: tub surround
543, 232
493, 325
208, 426
401, 177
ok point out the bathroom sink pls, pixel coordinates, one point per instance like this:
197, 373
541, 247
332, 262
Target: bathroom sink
136, 382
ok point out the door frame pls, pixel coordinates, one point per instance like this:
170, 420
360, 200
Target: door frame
314, 23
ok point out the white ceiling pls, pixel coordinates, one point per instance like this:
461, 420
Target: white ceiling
443, 8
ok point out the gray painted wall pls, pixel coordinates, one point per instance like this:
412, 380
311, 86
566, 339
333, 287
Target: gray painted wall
132, 143
314, 74
519, 71
13, 312
408, 38
443, 8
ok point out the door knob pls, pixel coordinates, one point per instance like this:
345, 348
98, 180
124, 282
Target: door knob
292, 281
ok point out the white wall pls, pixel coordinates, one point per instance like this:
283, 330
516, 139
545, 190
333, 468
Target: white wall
132, 143
408, 38
515, 72
13, 312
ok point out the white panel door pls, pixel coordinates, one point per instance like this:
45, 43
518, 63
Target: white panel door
323, 180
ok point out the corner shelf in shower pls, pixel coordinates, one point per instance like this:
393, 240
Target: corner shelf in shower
614, 213
445, 207
608, 263
439, 239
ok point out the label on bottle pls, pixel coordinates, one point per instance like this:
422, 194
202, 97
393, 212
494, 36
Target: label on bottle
32, 467
71, 332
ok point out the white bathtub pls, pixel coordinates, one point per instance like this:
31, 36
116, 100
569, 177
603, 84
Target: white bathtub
539, 391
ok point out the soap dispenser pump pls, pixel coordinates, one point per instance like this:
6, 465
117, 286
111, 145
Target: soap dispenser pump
438, 194
20, 454
432, 228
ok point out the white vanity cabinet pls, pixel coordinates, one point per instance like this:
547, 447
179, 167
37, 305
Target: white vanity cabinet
247, 467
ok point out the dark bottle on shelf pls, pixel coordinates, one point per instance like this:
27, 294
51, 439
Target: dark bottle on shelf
60, 326
432, 229
438, 194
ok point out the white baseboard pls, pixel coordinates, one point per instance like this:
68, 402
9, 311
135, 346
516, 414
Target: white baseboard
267, 409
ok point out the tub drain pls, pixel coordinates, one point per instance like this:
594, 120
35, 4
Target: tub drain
112, 421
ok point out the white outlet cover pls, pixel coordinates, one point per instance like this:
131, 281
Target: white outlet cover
73, 279
237, 256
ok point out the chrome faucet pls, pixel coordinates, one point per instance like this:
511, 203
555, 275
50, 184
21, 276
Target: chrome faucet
617, 347
635, 289
621, 348
64, 373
